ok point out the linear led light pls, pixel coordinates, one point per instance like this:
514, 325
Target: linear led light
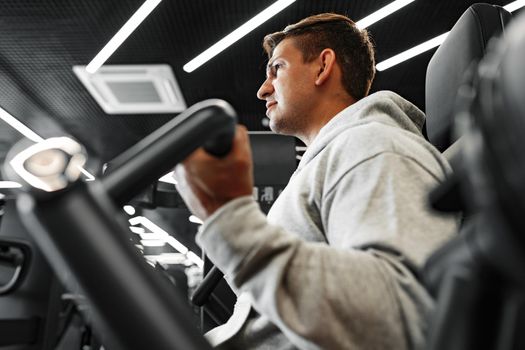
137, 230
237, 34
430, 44
270, 12
31, 135
382, 13
18, 126
129, 209
9, 184
195, 259
408, 54
87, 174
157, 233
513, 6
195, 220
160, 233
126, 30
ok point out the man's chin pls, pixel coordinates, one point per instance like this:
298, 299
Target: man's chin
278, 128
274, 126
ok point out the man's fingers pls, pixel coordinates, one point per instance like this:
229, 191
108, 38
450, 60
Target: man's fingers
206, 182
241, 136
198, 154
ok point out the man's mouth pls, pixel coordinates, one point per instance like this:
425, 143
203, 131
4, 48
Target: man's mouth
270, 105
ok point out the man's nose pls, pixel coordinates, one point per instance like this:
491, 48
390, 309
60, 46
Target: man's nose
265, 90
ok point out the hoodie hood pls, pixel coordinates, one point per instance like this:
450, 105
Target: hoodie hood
385, 107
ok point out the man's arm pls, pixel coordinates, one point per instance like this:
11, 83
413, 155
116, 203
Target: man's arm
320, 296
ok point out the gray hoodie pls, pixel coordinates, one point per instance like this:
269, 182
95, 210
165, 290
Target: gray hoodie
331, 266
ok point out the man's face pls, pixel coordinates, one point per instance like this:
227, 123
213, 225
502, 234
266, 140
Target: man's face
288, 90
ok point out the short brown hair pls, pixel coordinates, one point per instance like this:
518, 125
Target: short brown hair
352, 46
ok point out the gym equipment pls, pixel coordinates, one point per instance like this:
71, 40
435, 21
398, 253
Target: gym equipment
478, 279
84, 236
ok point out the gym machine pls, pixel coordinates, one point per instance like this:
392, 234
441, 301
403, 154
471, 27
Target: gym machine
478, 279
84, 236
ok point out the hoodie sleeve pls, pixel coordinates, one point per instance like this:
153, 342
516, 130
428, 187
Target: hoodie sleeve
336, 296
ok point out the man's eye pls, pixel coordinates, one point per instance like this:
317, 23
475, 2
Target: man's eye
274, 68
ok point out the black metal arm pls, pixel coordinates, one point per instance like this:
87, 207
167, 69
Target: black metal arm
202, 294
210, 123
84, 236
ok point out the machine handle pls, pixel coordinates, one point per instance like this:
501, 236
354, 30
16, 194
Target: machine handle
210, 123
14, 256
79, 229
221, 144
203, 291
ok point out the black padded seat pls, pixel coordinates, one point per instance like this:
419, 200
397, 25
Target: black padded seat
466, 43
477, 278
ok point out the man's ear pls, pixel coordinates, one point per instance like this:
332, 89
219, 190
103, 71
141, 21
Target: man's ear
327, 63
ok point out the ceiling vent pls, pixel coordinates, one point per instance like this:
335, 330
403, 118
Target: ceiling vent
134, 89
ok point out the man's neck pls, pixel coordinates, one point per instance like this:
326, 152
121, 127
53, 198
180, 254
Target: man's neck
327, 112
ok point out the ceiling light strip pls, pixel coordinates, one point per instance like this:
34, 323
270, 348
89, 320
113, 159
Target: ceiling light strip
195, 220
515, 5
9, 184
430, 44
408, 54
164, 236
18, 126
382, 13
195, 259
126, 30
237, 34
87, 174
31, 135
130, 210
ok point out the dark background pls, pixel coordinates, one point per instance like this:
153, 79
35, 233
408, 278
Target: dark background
41, 41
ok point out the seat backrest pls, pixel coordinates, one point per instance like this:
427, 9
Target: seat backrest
466, 43
480, 272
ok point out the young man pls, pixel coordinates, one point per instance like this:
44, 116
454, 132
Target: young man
331, 266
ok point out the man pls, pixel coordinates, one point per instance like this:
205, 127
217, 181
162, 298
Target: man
332, 265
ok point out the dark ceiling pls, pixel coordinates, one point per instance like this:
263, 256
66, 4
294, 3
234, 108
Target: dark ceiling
41, 41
